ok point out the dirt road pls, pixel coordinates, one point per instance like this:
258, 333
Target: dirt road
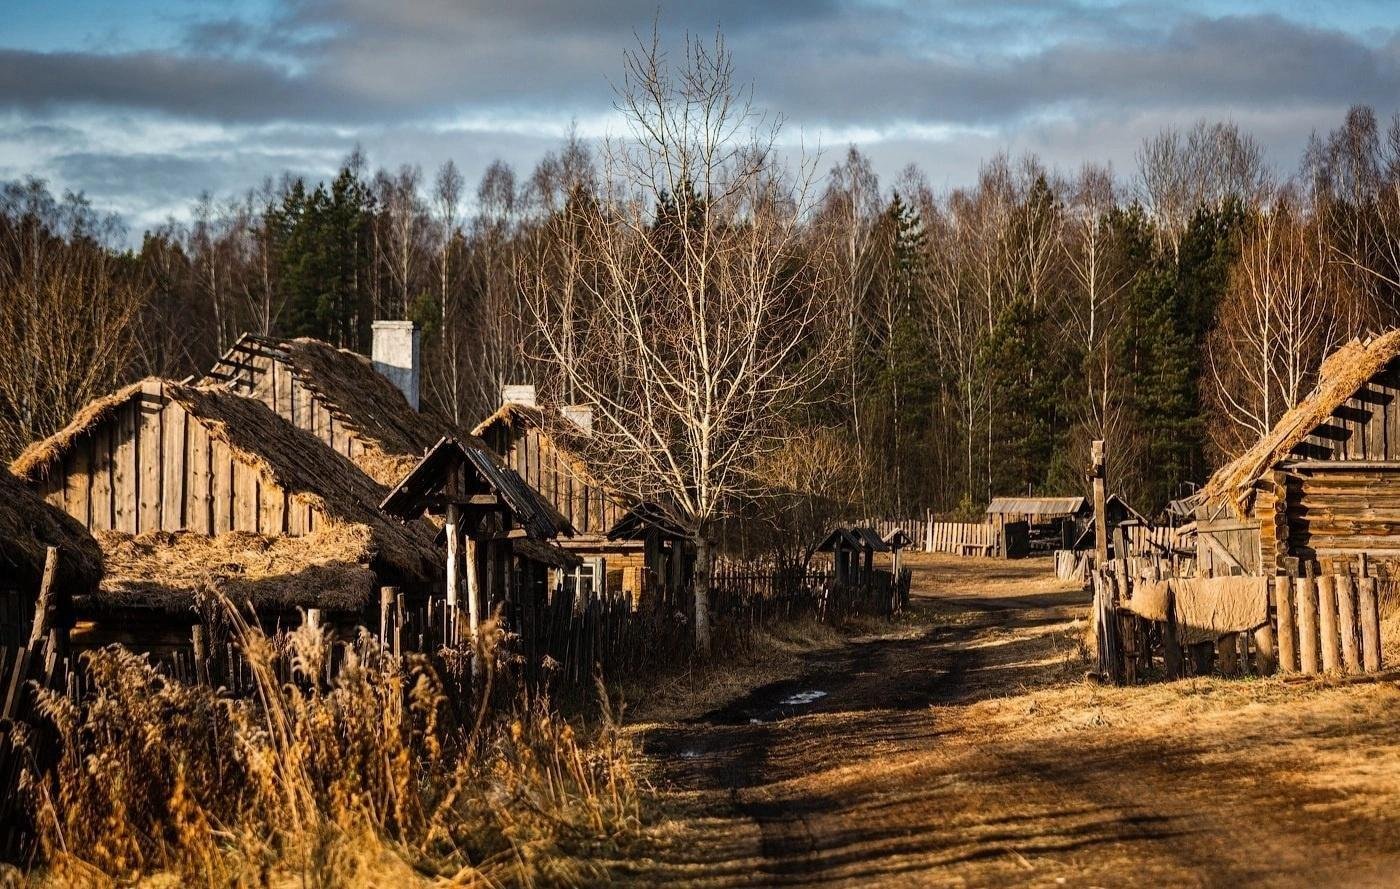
963, 748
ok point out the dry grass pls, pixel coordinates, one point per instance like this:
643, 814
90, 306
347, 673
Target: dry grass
366, 780
328, 568
28, 526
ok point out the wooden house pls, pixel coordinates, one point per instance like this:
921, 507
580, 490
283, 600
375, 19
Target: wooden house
28, 527
623, 546
1324, 484
191, 488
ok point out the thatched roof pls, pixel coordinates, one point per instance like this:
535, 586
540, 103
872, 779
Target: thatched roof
167, 572
294, 460
29, 526
371, 408
1343, 373
419, 489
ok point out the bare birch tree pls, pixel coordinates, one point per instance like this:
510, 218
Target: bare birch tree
698, 326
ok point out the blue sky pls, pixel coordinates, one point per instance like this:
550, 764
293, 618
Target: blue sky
142, 105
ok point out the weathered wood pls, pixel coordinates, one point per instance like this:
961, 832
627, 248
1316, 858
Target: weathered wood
175, 474
1346, 624
1287, 626
1368, 608
1226, 651
454, 563
124, 469
150, 444
100, 501
1308, 648
1265, 654
1327, 623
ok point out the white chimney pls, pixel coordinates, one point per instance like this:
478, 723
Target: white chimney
396, 353
518, 393
581, 415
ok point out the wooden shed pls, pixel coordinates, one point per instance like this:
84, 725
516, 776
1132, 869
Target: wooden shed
1051, 522
189, 487
549, 449
1324, 484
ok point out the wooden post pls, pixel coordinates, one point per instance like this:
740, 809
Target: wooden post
1287, 643
454, 566
1307, 623
1370, 625
1346, 623
1327, 623
473, 591
1171, 645
1098, 474
387, 595
199, 644
1265, 658
1226, 651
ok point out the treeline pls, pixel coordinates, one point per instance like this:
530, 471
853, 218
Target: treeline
987, 334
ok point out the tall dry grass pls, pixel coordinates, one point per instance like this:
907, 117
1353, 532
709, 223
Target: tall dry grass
368, 778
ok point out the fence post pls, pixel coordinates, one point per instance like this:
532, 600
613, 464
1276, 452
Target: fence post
1307, 622
1327, 623
1346, 623
1283, 603
1370, 625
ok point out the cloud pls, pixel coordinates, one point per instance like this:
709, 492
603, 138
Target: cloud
243, 94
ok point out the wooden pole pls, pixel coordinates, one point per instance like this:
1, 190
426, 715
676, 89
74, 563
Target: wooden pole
1287, 643
1307, 623
1370, 625
1171, 645
1098, 474
387, 595
1327, 623
454, 566
200, 646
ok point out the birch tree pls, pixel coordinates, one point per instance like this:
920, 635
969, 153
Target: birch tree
697, 326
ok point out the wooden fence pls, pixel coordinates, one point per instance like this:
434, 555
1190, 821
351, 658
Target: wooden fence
963, 538
1314, 625
917, 529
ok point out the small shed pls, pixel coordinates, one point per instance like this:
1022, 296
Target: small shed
897, 540
1052, 522
853, 552
1323, 485
668, 556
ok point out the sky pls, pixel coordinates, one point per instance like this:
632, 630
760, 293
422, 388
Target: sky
143, 105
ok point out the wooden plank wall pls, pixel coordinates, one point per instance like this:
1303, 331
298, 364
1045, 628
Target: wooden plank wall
294, 401
153, 467
567, 487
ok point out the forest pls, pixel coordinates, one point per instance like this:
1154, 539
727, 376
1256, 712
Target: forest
980, 336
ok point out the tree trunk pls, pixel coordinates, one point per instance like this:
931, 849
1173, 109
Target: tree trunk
702, 595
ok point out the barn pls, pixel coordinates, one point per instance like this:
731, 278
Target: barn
1051, 522
192, 487
1323, 485
623, 546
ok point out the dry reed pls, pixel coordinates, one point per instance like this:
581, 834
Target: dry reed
366, 778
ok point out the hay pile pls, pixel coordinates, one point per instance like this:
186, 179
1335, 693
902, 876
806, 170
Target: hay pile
29, 526
291, 458
166, 571
1342, 374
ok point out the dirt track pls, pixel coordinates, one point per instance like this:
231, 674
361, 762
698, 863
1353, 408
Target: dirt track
963, 748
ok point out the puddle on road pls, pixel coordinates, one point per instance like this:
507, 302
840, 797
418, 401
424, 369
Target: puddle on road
802, 697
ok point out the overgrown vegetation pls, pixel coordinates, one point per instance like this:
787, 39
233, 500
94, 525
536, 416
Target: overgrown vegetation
370, 778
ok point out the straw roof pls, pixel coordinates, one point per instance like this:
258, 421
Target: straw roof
294, 460
166, 571
1343, 373
29, 526
371, 408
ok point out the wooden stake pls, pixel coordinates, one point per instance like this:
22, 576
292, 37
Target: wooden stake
454, 561
1346, 624
387, 595
1307, 624
1098, 473
1327, 623
1287, 641
1370, 625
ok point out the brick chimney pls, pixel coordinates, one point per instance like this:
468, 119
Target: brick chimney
396, 353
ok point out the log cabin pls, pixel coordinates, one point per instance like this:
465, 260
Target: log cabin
623, 545
192, 489
1323, 485
28, 527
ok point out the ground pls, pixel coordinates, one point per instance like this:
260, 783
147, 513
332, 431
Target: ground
964, 747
